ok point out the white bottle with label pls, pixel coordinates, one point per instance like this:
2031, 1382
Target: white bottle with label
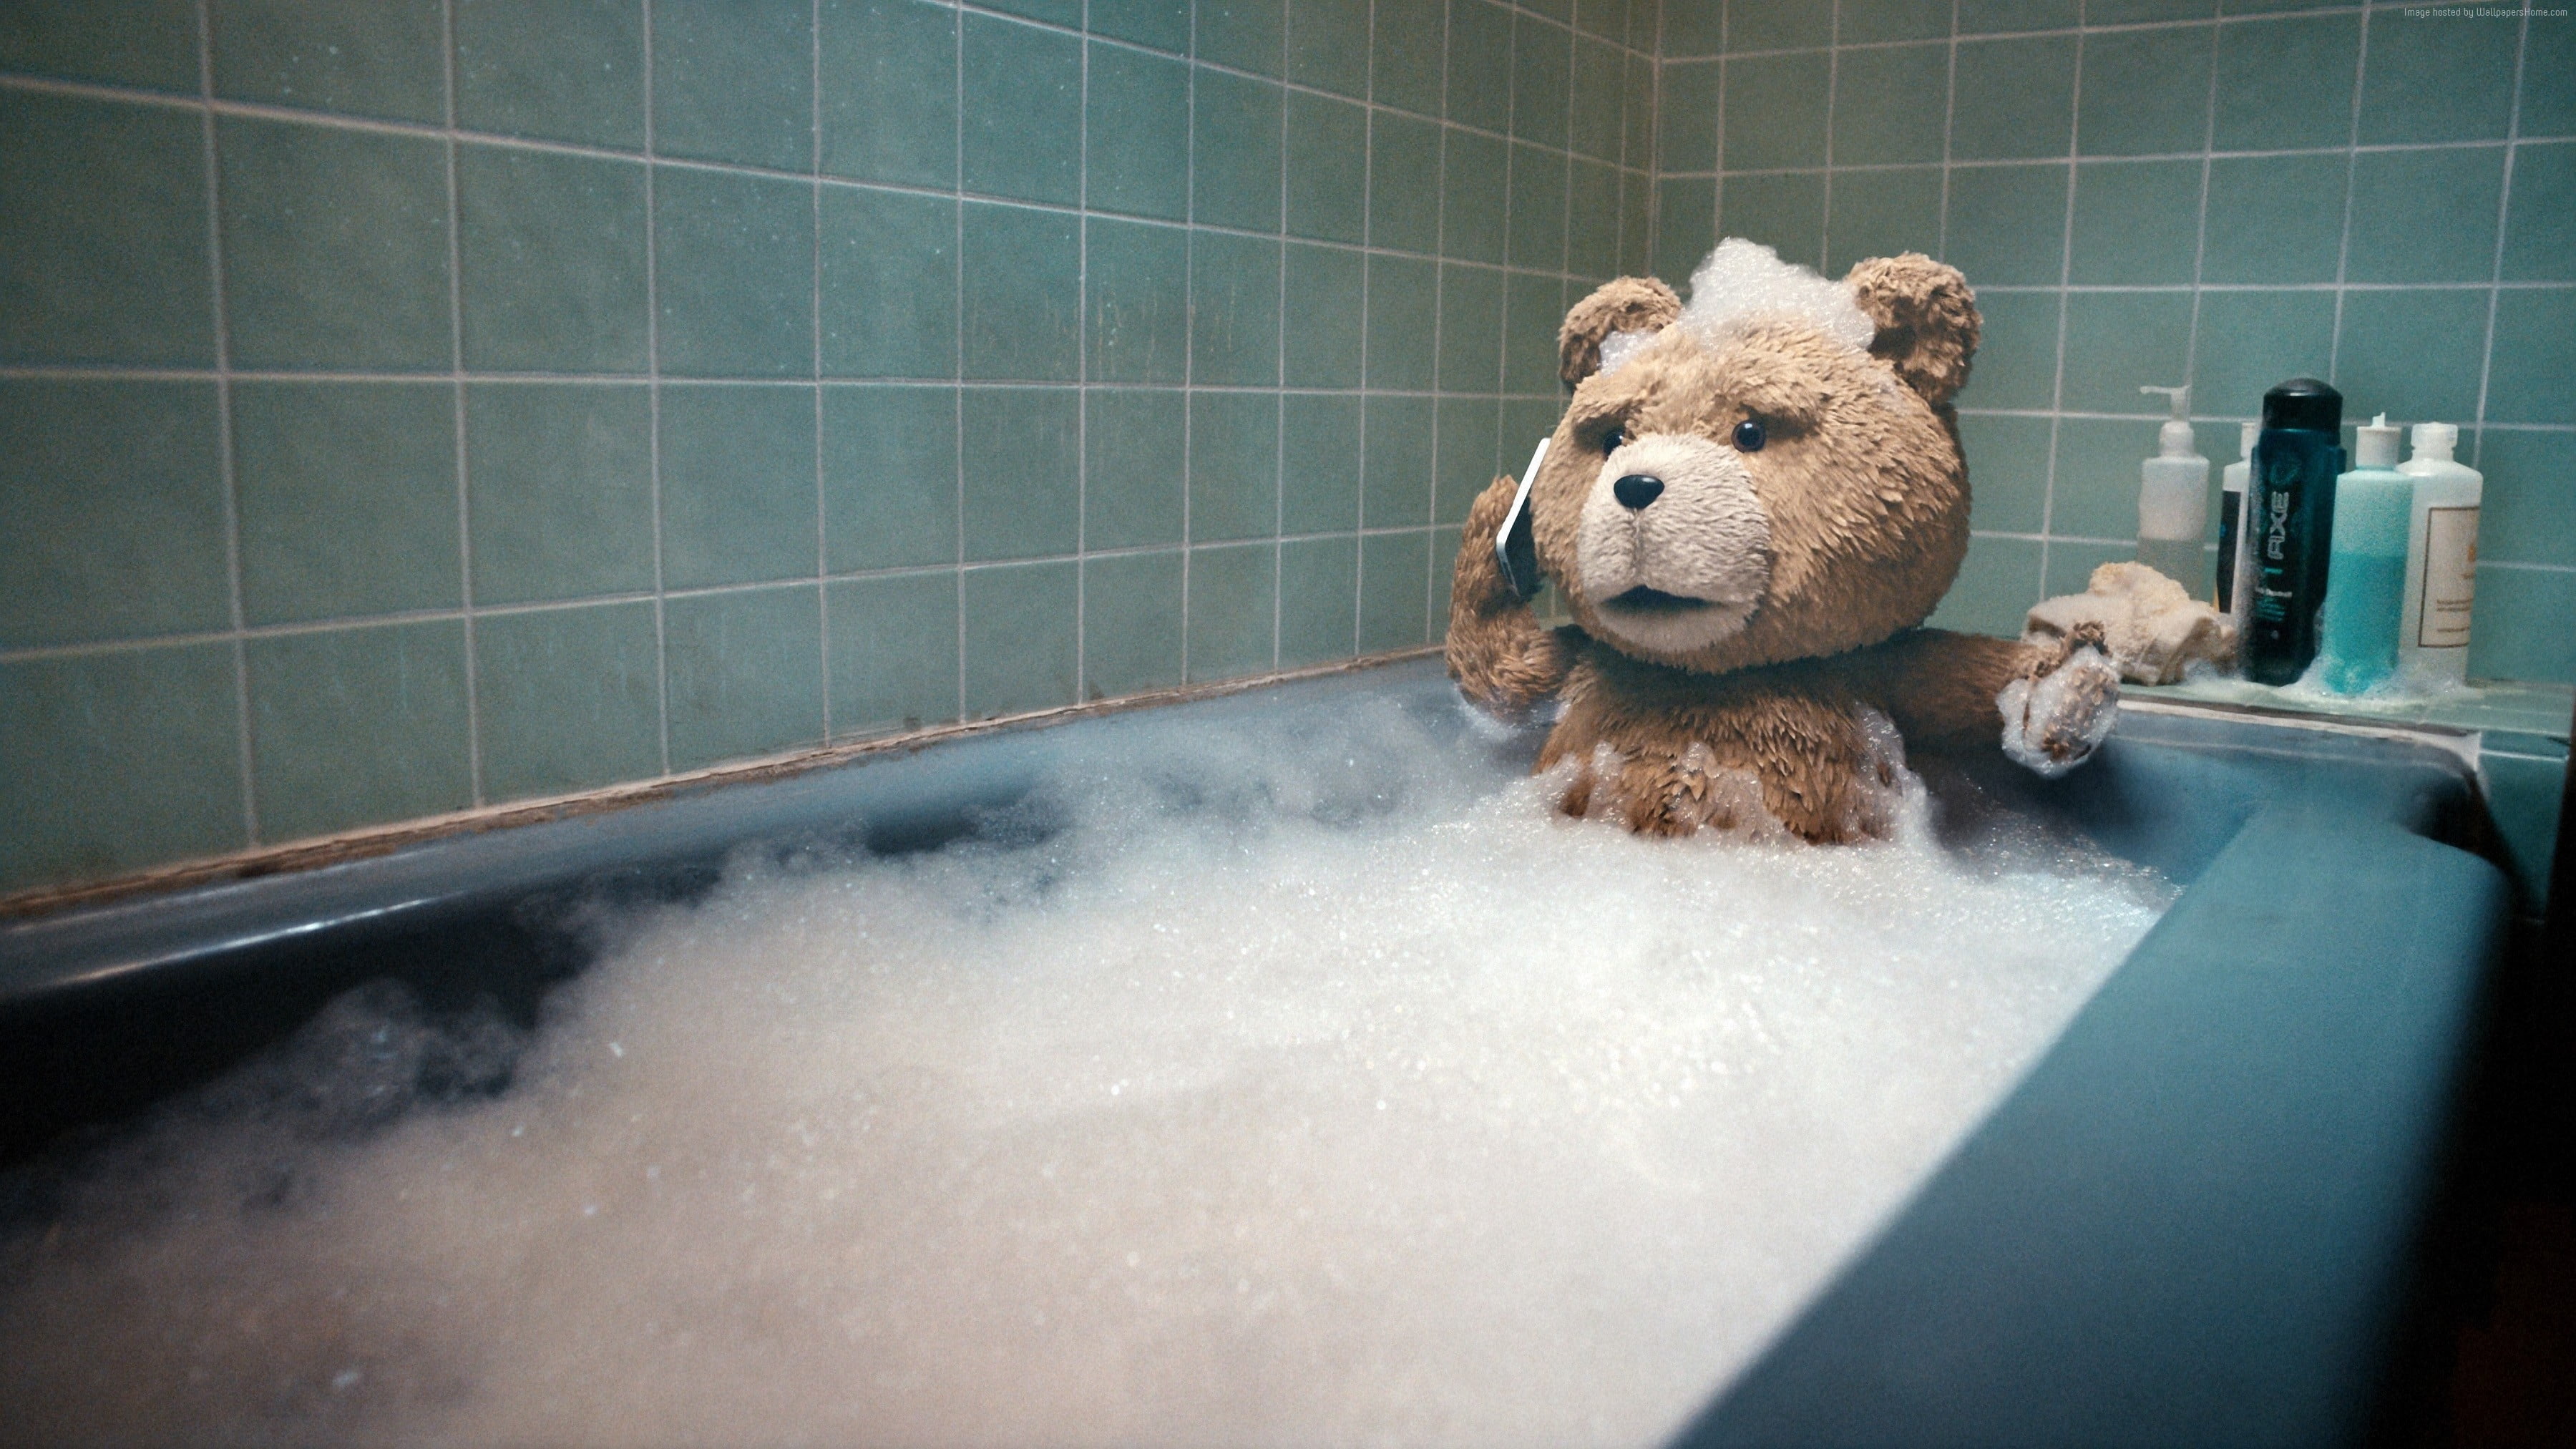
2441, 560
2173, 500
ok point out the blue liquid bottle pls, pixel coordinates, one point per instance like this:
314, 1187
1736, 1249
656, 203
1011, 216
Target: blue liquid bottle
2289, 508
2366, 580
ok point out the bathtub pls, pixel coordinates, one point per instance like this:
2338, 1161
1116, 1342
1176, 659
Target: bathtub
2199, 1218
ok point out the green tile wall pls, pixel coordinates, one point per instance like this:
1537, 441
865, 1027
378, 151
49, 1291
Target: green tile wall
2175, 192
423, 405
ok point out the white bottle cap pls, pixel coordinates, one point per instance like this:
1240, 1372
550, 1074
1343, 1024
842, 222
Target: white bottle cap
2245, 436
2377, 445
2436, 440
2174, 440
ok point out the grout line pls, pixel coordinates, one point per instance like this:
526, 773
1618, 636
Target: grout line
1949, 129
78, 372
1833, 75
226, 468
2200, 227
653, 410
957, 413
2351, 175
456, 363
822, 507
1279, 413
2065, 276
1368, 276
1082, 371
2504, 218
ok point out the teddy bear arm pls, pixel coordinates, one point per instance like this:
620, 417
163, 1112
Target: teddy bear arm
1948, 691
1497, 649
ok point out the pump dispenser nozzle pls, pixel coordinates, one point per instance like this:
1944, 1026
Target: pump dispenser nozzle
2173, 440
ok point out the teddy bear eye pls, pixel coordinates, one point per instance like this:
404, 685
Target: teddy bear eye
1611, 440
1748, 436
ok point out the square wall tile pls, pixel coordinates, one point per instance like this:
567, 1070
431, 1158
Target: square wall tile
103, 222
738, 484
563, 70
1537, 203
1475, 186
353, 727
2071, 564
147, 43
1237, 125
1135, 466
1601, 101
889, 71
890, 477
1319, 475
1784, 212
2276, 219
1533, 311
2424, 216
2548, 106
2544, 215
2532, 375
1395, 591
1396, 462
1242, 33
1592, 225
112, 762
1022, 122
1686, 116
1404, 183
347, 498
893, 652
1234, 309
2117, 342
2249, 341
2013, 98
1328, 168
1696, 27
1883, 214
1233, 610
559, 489
1991, 17
115, 501
2519, 628
2412, 355
1139, 134
1234, 465
2008, 224
2146, 92
1020, 644
552, 253
1405, 54
2530, 500
1403, 316
733, 80
1685, 226
2016, 362
2137, 223
1162, 24
744, 673
1131, 623
1324, 316
2095, 491
1480, 65
1777, 26
2258, 113
1775, 111
382, 59
1862, 21
1328, 45
1891, 105
1023, 471
1542, 56
889, 283
1469, 457
1995, 588
2129, 12
735, 274
1023, 302
1318, 599
1471, 329
1139, 304
335, 247
2446, 79
2007, 471
568, 699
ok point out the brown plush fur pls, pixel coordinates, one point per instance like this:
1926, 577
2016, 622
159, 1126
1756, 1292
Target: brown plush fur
1865, 496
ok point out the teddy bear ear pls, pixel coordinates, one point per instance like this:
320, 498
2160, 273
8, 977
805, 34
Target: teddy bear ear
1624, 304
1926, 317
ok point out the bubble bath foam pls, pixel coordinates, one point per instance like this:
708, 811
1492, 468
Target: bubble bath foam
1291, 1085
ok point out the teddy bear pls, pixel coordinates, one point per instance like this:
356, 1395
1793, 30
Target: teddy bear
1749, 508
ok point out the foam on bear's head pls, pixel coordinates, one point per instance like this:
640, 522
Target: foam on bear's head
1744, 282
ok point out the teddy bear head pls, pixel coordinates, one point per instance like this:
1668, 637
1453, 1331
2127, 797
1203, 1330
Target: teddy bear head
1770, 473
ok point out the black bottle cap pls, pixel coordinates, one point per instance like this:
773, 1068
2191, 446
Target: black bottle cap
2303, 402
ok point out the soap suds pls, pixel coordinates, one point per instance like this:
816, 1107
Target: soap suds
1744, 282
1272, 1084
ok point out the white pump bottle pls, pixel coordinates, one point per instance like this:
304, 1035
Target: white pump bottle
2173, 500
2441, 560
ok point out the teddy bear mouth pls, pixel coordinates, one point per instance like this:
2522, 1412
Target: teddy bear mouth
1644, 600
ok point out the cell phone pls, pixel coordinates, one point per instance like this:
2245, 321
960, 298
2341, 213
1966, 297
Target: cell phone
1514, 549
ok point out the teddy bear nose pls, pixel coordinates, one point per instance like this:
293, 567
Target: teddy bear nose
1637, 490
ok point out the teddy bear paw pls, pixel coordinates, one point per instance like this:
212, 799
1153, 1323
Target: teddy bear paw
2055, 720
